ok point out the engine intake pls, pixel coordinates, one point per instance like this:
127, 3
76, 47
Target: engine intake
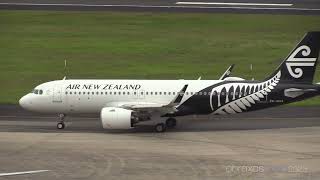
117, 118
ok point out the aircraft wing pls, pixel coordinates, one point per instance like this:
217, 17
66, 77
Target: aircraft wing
227, 72
135, 105
150, 106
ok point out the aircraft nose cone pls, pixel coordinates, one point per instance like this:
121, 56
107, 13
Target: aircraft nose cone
23, 102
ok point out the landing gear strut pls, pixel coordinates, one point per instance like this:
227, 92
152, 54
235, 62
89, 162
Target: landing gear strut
171, 123
162, 127
60, 124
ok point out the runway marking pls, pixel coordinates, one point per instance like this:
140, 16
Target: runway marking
150, 6
22, 172
232, 4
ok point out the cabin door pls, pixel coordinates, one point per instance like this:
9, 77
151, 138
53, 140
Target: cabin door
57, 94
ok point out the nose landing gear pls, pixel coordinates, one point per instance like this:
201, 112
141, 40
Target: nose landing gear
60, 124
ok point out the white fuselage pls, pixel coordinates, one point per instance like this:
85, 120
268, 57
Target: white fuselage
90, 96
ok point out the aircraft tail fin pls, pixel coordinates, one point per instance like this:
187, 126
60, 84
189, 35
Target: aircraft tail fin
300, 65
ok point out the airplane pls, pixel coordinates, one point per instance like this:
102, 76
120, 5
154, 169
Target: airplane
126, 104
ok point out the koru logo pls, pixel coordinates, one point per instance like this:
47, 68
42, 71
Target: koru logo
294, 64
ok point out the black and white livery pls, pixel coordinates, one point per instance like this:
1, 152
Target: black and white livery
125, 104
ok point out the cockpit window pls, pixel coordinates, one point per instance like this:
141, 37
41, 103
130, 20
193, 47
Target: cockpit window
37, 91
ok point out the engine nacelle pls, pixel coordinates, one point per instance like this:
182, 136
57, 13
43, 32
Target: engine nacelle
116, 118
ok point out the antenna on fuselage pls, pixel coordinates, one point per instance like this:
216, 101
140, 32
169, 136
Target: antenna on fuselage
65, 69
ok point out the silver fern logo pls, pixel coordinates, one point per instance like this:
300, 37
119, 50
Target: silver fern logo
240, 97
294, 64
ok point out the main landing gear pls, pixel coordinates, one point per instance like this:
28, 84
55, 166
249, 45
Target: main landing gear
60, 124
162, 127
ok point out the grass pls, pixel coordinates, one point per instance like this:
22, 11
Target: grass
141, 45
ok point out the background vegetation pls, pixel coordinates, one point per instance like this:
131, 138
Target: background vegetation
141, 45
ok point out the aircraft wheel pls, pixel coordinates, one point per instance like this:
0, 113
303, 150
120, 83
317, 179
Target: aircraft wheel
161, 127
171, 122
60, 125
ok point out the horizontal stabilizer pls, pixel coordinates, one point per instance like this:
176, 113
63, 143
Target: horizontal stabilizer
294, 92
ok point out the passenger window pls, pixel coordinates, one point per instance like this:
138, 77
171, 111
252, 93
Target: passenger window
164, 93
159, 93
204, 93
40, 91
124, 93
128, 93
155, 93
169, 93
174, 93
114, 93
36, 91
92, 93
119, 93
187, 93
151, 93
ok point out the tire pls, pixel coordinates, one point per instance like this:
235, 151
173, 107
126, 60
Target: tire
171, 122
60, 125
161, 127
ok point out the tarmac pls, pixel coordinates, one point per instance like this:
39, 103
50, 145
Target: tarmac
302, 7
278, 143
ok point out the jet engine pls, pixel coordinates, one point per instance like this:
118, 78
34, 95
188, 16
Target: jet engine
117, 118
